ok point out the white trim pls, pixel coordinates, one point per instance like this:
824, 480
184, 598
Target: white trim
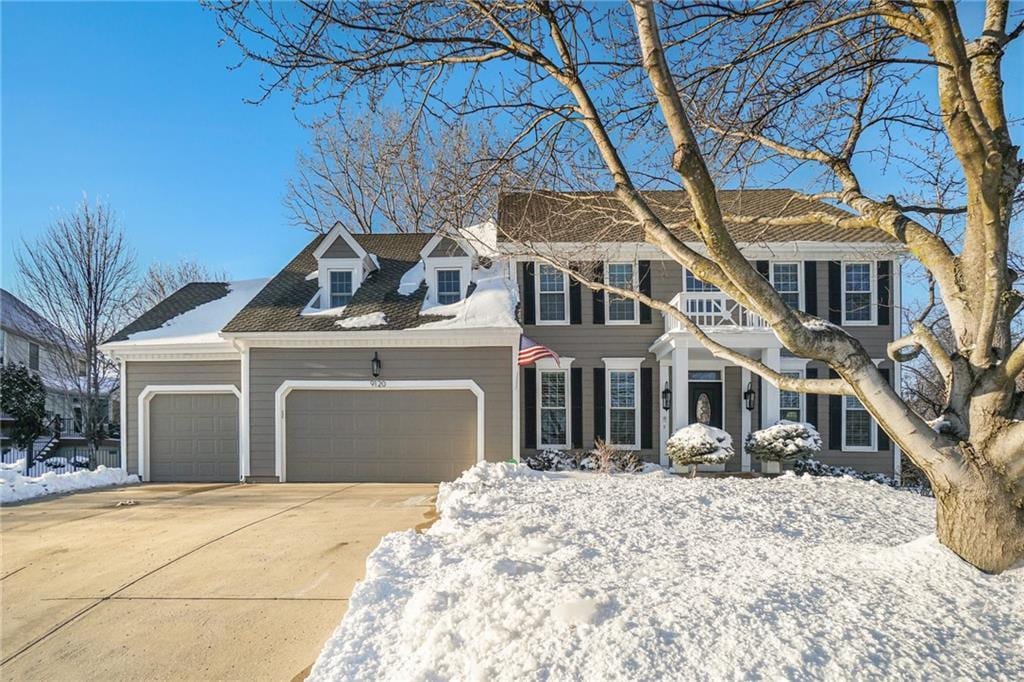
411, 338
286, 387
664, 416
432, 243
437, 284
745, 419
623, 363
897, 367
243, 419
537, 292
608, 295
873, 429
872, 279
567, 408
464, 264
153, 352
123, 395
599, 251
800, 374
329, 266
516, 380
631, 365
146, 396
333, 234
799, 278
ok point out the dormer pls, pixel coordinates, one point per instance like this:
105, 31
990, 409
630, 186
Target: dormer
342, 265
448, 268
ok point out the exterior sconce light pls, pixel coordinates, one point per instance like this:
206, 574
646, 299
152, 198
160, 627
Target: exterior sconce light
749, 396
666, 398
375, 365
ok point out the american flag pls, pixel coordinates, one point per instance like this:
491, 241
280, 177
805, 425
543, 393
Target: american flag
530, 352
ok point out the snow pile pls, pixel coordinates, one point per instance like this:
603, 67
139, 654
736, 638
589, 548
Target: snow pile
361, 321
412, 279
813, 467
531, 575
492, 304
14, 487
203, 323
699, 444
784, 441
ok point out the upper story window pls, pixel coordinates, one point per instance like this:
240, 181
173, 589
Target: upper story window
858, 427
554, 408
791, 403
697, 285
341, 288
552, 292
449, 286
859, 293
621, 310
786, 280
33, 356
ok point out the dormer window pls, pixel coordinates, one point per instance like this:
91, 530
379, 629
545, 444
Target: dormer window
340, 288
449, 286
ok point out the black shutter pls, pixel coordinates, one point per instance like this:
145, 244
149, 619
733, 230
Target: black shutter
884, 287
643, 269
835, 292
576, 390
762, 269
811, 287
575, 297
599, 404
646, 403
529, 379
835, 418
811, 400
883, 438
529, 312
599, 295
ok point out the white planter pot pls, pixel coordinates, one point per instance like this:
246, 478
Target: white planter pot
771, 467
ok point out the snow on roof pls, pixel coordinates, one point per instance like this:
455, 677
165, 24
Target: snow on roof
492, 304
202, 324
20, 318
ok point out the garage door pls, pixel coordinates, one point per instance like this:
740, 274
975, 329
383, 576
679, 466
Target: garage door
193, 437
386, 436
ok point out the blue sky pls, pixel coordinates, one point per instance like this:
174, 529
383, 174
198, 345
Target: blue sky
134, 103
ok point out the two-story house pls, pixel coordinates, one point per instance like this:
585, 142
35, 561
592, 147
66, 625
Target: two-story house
394, 357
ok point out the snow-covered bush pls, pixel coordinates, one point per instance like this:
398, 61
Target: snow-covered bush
602, 459
784, 441
699, 444
551, 460
813, 467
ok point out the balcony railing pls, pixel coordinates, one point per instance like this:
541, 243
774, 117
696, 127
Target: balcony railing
714, 311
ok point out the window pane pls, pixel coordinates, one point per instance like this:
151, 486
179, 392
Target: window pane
858, 277
552, 307
551, 279
622, 389
858, 423
552, 389
694, 284
341, 287
622, 429
621, 275
858, 307
790, 415
552, 427
705, 375
786, 277
449, 286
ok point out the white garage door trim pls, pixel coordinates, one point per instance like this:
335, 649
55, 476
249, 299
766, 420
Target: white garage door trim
281, 401
151, 391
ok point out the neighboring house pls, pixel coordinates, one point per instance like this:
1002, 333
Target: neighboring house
27, 337
393, 357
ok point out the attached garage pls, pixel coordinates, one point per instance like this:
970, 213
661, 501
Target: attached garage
190, 434
412, 431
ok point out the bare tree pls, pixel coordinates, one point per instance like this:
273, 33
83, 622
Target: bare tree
80, 275
381, 173
707, 91
163, 279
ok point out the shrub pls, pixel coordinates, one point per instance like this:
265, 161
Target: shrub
602, 459
699, 444
784, 441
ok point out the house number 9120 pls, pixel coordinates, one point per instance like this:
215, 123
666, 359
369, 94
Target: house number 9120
378, 383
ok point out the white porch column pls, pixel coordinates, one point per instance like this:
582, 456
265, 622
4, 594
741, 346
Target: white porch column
680, 386
744, 420
664, 416
771, 357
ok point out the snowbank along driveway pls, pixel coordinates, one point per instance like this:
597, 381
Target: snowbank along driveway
649, 577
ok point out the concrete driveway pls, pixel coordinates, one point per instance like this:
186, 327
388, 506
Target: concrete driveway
191, 582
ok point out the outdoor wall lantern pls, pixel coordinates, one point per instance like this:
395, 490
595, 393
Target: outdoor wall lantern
375, 365
748, 396
666, 398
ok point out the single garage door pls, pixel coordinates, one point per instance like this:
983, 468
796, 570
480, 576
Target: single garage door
193, 437
386, 436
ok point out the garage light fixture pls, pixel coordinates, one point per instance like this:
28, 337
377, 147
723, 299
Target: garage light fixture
375, 365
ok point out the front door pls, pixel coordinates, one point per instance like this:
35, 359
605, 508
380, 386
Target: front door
706, 403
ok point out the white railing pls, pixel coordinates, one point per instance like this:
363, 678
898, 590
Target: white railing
714, 311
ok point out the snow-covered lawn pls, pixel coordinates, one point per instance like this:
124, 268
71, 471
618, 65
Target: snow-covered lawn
15, 487
532, 575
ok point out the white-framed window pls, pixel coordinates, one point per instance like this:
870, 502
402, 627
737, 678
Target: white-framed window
859, 293
340, 293
858, 426
694, 285
449, 286
33, 356
619, 310
552, 295
786, 280
553, 406
623, 411
791, 403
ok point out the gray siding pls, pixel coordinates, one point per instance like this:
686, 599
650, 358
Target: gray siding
142, 374
874, 337
339, 248
490, 368
733, 398
447, 247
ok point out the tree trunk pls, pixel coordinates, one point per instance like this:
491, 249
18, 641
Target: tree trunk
978, 520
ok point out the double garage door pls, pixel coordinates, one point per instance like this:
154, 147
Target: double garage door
381, 435
330, 435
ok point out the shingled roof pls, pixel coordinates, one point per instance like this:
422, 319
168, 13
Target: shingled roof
278, 307
187, 298
601, 217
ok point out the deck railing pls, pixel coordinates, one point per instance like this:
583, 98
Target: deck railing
714, 311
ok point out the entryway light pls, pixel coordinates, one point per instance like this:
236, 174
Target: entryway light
375, 365
666, 398
749, 395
